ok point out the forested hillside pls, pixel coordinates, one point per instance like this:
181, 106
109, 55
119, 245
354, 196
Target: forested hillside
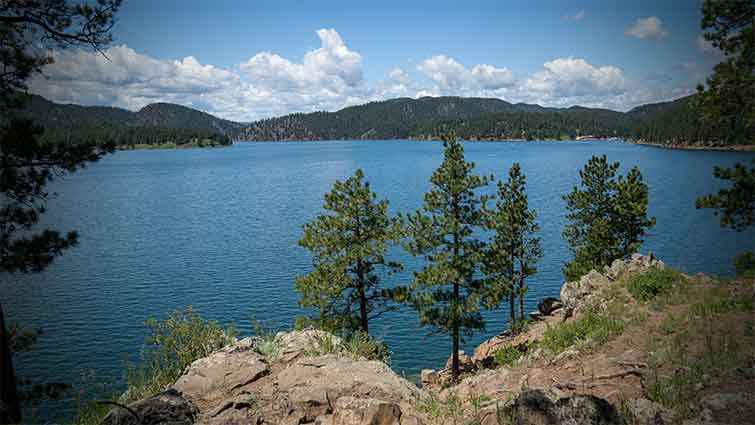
155, 124
673, 123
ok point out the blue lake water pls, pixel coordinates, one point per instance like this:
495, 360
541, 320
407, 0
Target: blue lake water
218, 228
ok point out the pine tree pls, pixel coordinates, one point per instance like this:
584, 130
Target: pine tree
727, 105
447, 292
349, 242
736, 204
27, 29
607, 216
513, 249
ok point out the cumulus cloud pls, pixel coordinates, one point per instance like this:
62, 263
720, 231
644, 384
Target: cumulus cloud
329, 77
569, 81
650, 27
576, 17
267, 84
452, 77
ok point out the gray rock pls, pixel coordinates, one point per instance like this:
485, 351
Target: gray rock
536, 407
548, 305
220, 373
574, 295
166, 408
315, 385
644, 411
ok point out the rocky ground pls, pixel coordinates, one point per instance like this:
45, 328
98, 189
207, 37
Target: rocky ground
636, 343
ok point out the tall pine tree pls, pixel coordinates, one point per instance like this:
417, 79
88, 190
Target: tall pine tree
513, 249
448, 292
349, 243
28, 29
607, 216
727, 104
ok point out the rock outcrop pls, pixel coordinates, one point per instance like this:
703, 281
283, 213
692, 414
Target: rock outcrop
237, 384
168, 407
536, 407
304, 383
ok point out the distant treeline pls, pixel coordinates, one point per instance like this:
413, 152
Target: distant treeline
126, 137
674, 123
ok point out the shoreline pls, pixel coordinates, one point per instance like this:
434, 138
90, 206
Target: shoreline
731, 148
162, 146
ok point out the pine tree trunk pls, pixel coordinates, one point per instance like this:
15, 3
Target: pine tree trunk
362, 299
455, 362
10, 411
512, 294
521, 291
455, 370
512, 305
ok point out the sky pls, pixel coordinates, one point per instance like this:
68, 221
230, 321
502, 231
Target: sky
249, 60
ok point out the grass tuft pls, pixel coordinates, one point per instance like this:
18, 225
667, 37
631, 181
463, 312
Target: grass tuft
591, 328
654, 283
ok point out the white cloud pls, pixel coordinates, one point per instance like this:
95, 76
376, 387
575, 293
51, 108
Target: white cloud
329, 77
399, 76
451, 76
650, 27
576, 17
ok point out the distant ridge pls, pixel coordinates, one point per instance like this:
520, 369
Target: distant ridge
672, 122
160, 115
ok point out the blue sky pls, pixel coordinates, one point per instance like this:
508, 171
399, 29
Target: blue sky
247, 60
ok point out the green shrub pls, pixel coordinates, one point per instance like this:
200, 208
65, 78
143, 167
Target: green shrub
506, 356
362, 345
744, 264
518, 326
592, 327
358, 345
654, 282
267, 342
174, 344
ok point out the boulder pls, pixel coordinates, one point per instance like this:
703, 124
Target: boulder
617, 268
644, 411
465, 362
574, 295
537, 407
238, 385
314, 385
168, 408
356, 411
429, 377
548, 305
216, 376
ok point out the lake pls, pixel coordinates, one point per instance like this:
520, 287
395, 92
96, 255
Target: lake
217, 229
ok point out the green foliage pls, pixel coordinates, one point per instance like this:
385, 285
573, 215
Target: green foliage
348, 244
507, 356
439, 409
704, 347
513, 250
736, 204
361, 345
727, 105
744, 264
654, 282
175, 343
447, 292
156, 125
267, 342
357, 345
607, 216
518, 326
591, 328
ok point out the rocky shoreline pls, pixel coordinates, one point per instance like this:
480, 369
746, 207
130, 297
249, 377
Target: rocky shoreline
731, 148
591, 382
